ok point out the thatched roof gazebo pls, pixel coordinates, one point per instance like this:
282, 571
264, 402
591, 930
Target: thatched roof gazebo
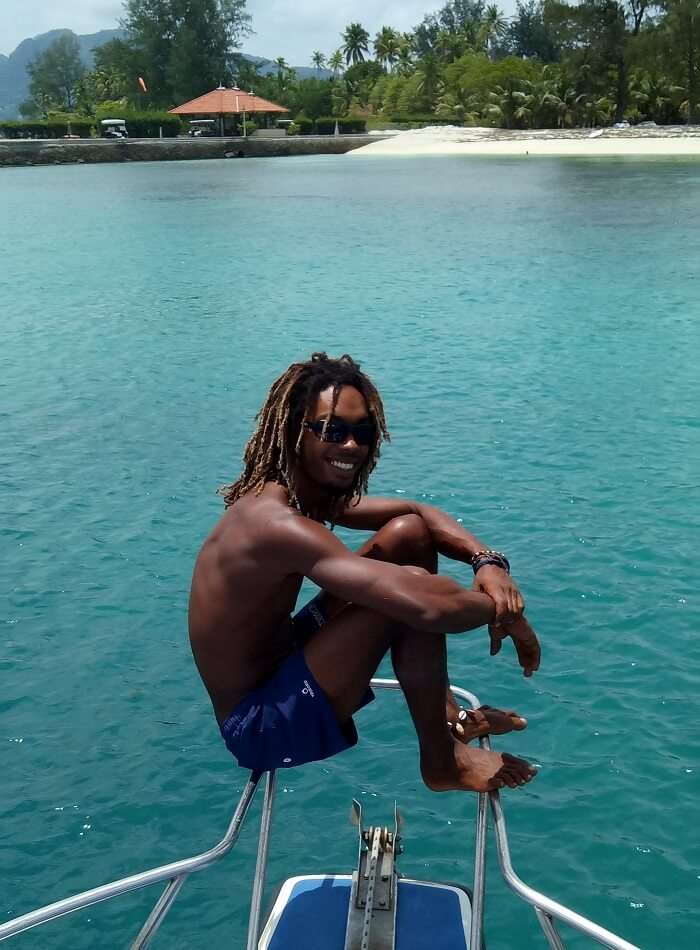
221, 102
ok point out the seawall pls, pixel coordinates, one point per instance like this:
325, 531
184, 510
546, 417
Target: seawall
87, 151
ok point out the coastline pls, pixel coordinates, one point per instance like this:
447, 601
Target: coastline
634, 142
24, 152
660, 141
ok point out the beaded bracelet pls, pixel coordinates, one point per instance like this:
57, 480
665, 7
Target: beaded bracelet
497, 558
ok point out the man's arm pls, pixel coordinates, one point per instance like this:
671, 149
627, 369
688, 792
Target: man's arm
427, 602
450, 538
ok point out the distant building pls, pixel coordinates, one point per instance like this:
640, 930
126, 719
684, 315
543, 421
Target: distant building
229, 108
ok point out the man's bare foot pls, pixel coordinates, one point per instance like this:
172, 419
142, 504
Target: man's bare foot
468, 724
476, 770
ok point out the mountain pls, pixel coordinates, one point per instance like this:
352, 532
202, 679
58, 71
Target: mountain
267, 67
14, 81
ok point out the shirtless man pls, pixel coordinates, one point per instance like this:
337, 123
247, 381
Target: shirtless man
284, 689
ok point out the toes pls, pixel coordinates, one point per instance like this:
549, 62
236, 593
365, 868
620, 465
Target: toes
519, 767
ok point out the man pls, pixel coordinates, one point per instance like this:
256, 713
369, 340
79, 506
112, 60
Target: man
284, 689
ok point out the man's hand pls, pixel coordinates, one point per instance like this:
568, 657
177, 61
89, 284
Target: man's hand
502, 590
526, 643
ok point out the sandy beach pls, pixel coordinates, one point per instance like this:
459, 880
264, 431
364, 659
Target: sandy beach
666, 141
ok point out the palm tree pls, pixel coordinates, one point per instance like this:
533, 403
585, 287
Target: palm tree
683, 24
335, 62
493, 27
543, 102
459, 104
655, 96
508, 103
355, 43
449, 46
404, 59
594, 110
386, 46
282, 72
318, 60
428, 79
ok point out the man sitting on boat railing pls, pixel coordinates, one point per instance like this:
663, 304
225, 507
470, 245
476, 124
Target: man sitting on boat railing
284, 688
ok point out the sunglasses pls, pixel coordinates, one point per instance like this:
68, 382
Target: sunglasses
338, 431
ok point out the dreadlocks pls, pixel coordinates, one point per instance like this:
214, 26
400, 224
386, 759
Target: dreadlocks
270, 454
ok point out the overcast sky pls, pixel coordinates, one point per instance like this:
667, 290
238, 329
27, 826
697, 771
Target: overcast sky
289, 28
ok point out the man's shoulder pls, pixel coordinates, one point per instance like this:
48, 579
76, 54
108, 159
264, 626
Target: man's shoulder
262, 520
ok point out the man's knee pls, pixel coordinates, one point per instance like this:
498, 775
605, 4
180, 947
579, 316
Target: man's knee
410, 533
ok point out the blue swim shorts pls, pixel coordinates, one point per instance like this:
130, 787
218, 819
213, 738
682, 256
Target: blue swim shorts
288, 721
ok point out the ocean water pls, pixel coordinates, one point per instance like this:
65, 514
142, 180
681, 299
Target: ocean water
534, 329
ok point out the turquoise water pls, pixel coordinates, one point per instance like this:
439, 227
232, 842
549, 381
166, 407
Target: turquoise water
533, 326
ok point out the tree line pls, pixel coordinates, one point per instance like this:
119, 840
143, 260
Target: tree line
552, 65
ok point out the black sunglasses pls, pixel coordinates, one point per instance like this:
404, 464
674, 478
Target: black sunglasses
338, 431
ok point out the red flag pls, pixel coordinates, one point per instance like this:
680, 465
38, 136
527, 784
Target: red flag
143, 84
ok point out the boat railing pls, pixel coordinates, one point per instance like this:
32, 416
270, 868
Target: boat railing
547, 910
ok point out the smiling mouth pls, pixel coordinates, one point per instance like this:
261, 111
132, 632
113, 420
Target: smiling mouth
342, 466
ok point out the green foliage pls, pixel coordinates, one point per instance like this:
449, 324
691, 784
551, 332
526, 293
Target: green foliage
418, 121
683, 29
355, 43
556, 64
54, 74
140, 124
529, 34
183, 47
100, 85
304, 126
312, 97
346, 124
326, 125
387, 44
352, 124
56, 127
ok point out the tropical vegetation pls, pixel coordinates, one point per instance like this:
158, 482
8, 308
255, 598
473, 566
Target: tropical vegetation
551, 65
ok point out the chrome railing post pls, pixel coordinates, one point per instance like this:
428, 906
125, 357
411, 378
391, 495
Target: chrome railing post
156, 916
175, 873
541, 901
261, 864
550, 931
155, 876
477, 925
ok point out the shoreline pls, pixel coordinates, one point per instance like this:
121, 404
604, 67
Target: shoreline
634, 142
660, 141
28, 152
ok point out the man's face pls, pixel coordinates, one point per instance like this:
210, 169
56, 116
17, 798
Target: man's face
334, 465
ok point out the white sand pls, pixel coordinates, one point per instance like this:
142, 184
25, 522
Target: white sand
451, 140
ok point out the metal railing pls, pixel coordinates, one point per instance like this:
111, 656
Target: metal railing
545, 908
177, 873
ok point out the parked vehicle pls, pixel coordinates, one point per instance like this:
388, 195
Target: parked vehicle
113, 129
202, 127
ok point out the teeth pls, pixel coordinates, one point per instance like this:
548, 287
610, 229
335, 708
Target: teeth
345, 466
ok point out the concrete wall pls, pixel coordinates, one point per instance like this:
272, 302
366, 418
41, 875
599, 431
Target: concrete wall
60, 152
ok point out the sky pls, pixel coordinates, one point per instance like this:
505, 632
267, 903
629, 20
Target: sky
289, 28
